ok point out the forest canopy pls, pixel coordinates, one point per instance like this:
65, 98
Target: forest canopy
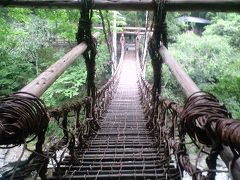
29, 45
211, 57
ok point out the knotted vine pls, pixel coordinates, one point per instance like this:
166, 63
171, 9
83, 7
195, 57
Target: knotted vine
22, 115
159, 35
85, 34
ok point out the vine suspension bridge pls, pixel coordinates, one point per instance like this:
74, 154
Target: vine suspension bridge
125, 129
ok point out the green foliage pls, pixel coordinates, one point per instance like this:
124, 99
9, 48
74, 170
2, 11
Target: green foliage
4, 27
26, 51
134, 18
121, 19
71, 84
64, 22
227, 89
20, 15
226, 25
23, 35
170, 88
204, 58
212, 60
206, 62
67, 86
174, 27
103, 63
13, 74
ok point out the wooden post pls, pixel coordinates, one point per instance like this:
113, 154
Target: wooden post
39, 85
137, 5
187, 84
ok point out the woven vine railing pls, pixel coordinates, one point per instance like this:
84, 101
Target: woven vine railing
85, 128
76, 122
202, 118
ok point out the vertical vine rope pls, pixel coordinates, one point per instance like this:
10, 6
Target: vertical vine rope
159, 35
85, 34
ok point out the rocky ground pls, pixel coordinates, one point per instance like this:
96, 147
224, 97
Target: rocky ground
9, 156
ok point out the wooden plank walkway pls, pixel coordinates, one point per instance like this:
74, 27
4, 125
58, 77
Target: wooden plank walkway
122, 148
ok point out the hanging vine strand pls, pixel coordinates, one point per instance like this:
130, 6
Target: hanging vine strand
159, 35
85, 34
108, 36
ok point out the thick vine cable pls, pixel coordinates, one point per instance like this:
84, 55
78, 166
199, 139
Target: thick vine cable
85, 34
159, 35
22, 115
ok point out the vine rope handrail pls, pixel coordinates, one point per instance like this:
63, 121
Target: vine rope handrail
202, 118
190, 89
156, 110
77, 124
22, 115
86, 112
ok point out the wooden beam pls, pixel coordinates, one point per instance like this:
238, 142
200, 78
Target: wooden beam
137, 5
203, 5
39, 85
183, 79
128, 30
134, 28
131, 32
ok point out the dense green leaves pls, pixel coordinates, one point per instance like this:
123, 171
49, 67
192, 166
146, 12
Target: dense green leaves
72, 83
212, 60
134, 18
22, 35
174, 27
227, 26
227, 89
27, 35
64, 22
67, 86
204, 58
11, 80
27, 49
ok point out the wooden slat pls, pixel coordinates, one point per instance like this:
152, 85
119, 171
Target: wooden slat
171, 5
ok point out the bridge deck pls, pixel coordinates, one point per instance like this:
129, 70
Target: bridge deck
122, 148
